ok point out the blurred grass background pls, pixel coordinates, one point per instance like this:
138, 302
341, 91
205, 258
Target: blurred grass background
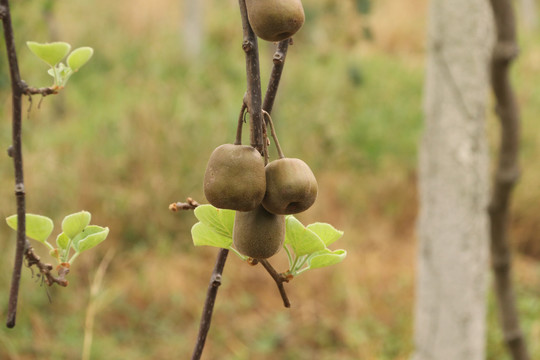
132, 133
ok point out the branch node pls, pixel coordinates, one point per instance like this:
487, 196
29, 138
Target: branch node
278, 58
10, 151
216, 280
46, 269
247, 46
19, 189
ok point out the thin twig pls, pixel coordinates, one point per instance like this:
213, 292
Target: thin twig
279, 279
17, 91
27, 90
46, 269
190, 204
506, 176
211, 294
275, 75
272, 88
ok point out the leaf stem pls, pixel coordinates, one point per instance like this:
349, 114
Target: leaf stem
295, 261
274, 135
49, 245
289, 256
68, 249
73, 257
238, 253
302, 261
301, 271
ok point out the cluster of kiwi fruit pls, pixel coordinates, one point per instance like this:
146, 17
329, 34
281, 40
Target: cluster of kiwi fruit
236, 178
275, 20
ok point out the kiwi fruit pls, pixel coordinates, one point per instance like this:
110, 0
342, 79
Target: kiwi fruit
275, 20
258, 233
235, 178
291, 186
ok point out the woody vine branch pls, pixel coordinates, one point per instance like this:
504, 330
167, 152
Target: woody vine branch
18, 89
252, 102
506, 176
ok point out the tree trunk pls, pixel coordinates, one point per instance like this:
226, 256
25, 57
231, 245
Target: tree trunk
453, 227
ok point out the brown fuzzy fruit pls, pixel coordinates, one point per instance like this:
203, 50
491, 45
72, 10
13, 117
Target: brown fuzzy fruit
258, 233
235, 178
291, 187
275, 20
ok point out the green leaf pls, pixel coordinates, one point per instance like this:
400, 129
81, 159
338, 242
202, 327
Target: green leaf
79, 57
37, 227
203, 234
220, 221
326, 232
326, 258
303, 240
62, 241
51, 53
73, 224
91, 236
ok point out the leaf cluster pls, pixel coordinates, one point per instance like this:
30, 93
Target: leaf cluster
77, 234
53, 53
306, 246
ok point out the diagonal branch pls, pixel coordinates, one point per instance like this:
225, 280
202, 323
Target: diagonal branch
211, 294
506, 176
279, 279
275, 75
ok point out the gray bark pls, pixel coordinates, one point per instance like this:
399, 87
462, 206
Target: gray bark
453, 254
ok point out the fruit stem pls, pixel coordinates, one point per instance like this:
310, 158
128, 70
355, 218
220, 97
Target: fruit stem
241, 118
274, 135
266, 143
